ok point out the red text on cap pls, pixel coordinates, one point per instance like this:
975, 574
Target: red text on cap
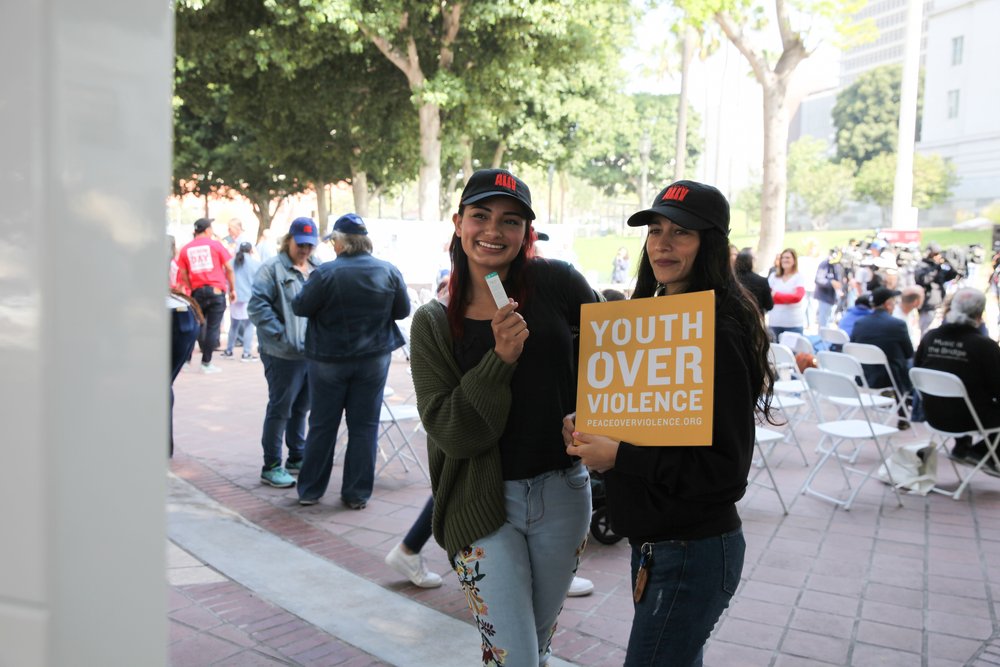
676, 193
506, 181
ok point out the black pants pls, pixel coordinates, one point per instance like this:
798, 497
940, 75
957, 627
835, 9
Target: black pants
213, 307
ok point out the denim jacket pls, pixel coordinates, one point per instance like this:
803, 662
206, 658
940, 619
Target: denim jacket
280, 332
351, 304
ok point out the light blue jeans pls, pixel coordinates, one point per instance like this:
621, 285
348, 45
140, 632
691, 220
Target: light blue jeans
516, 579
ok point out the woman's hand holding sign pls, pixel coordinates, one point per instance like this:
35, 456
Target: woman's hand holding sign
597, 452
510, 331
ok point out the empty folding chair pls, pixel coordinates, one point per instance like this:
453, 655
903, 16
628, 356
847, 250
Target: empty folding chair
396, 438
825, 385
873, 355
845, 364
391, 436
789, 378
762, 437
793, 411
834, 336
938, 384
789, 383
796, 342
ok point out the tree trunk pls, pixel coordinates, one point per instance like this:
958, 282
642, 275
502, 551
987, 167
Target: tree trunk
322, 211
498, 154
359, 186
429, 187
774, 194
680, 156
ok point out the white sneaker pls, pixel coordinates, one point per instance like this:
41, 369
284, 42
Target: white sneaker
210, 368
580, 587
412, 567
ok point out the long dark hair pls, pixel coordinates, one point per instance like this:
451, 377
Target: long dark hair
516, 284
245, 247
712, 271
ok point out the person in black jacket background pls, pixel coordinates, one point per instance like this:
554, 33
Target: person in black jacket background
677, 505
755, 284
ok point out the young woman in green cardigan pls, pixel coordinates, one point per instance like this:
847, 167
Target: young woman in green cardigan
511, 508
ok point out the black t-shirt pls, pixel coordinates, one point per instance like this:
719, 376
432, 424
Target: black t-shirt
975, 359
543, 389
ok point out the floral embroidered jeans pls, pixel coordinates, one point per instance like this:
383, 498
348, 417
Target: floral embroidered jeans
515, 580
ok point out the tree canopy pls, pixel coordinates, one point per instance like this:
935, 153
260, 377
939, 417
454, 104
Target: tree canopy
866, 115
339, 89
817, 184
933, 178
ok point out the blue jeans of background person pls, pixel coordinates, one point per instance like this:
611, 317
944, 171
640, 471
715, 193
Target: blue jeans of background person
777, 331
213, 307
354, 387
421, 529
823, 311
240, 331
287, 407
516, 578
690, 584
184, 332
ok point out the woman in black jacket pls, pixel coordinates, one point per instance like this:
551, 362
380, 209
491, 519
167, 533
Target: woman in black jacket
677, 505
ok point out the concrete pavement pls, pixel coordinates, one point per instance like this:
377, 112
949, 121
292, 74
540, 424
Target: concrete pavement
878, 585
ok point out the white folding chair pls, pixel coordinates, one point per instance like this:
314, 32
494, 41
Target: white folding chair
390, 429
391, 432
826, 384
791, 409
845, 364
789, 378
834, 336
762, 437
789, 383
938, 384
796, 342
873, 355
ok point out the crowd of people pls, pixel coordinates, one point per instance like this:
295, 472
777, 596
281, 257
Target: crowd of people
495, 385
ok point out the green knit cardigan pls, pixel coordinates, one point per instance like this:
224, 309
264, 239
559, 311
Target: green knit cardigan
464, 416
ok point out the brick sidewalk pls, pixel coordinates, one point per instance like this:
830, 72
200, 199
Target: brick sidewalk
876, 585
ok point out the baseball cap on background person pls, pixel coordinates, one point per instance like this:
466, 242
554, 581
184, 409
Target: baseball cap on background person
350, 223
487, 183
201, 224
690, 205
303, 231
882, 294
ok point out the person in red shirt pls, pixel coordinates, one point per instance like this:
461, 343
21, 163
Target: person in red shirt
203, 267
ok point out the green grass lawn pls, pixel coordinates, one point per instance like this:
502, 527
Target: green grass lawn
596, 253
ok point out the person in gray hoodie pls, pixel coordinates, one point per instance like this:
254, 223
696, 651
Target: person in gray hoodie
281, 335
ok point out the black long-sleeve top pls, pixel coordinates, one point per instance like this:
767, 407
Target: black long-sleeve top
663, 493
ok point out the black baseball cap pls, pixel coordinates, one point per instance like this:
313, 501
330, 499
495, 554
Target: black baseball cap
201, 224
690, 204
882, 294
487, 183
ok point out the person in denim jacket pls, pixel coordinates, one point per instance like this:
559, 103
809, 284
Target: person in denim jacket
281, 336
351, 304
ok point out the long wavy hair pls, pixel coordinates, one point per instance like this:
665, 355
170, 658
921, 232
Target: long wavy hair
712, 271
459, 290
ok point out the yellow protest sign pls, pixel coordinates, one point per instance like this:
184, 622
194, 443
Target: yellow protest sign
647, 369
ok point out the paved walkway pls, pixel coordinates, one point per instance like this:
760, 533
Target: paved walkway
878, 585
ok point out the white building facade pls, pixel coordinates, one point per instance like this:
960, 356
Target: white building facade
961, 117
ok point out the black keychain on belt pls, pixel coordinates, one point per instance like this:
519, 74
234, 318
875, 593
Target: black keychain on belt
645, 562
